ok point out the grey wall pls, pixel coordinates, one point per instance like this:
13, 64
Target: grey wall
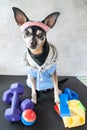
69, 34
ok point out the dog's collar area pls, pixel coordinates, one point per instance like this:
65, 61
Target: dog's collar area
49, 62
39, 24
38, 58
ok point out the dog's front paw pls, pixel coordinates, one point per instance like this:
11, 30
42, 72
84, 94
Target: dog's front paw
34, 99
59, 92
56, 100
56, 97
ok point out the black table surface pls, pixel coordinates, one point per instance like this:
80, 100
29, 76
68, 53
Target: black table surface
47, 118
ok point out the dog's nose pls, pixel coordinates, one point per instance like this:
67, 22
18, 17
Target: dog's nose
34, 42
33, 45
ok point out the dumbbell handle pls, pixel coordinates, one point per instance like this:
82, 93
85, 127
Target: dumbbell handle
15, 100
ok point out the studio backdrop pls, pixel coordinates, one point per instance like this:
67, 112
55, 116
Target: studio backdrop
69, 34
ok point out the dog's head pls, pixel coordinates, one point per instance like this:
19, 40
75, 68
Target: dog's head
34, 33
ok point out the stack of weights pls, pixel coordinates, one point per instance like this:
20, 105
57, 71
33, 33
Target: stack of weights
28, 116
12, 96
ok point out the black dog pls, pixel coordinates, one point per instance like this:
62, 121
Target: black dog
41, 56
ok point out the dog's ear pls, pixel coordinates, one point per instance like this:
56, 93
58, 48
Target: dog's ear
19, 16
51, 19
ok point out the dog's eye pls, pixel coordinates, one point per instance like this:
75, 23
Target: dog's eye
40, 35
27, 34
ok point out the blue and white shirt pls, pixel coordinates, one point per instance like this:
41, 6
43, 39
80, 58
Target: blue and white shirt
42, 73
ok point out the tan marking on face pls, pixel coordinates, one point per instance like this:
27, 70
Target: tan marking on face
36, 51
30, 30
38, 32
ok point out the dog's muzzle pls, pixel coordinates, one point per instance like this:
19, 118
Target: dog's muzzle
33, 45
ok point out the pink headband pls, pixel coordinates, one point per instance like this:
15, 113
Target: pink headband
39, 24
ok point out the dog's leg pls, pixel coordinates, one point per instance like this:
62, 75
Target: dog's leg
57, 91
33, 95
